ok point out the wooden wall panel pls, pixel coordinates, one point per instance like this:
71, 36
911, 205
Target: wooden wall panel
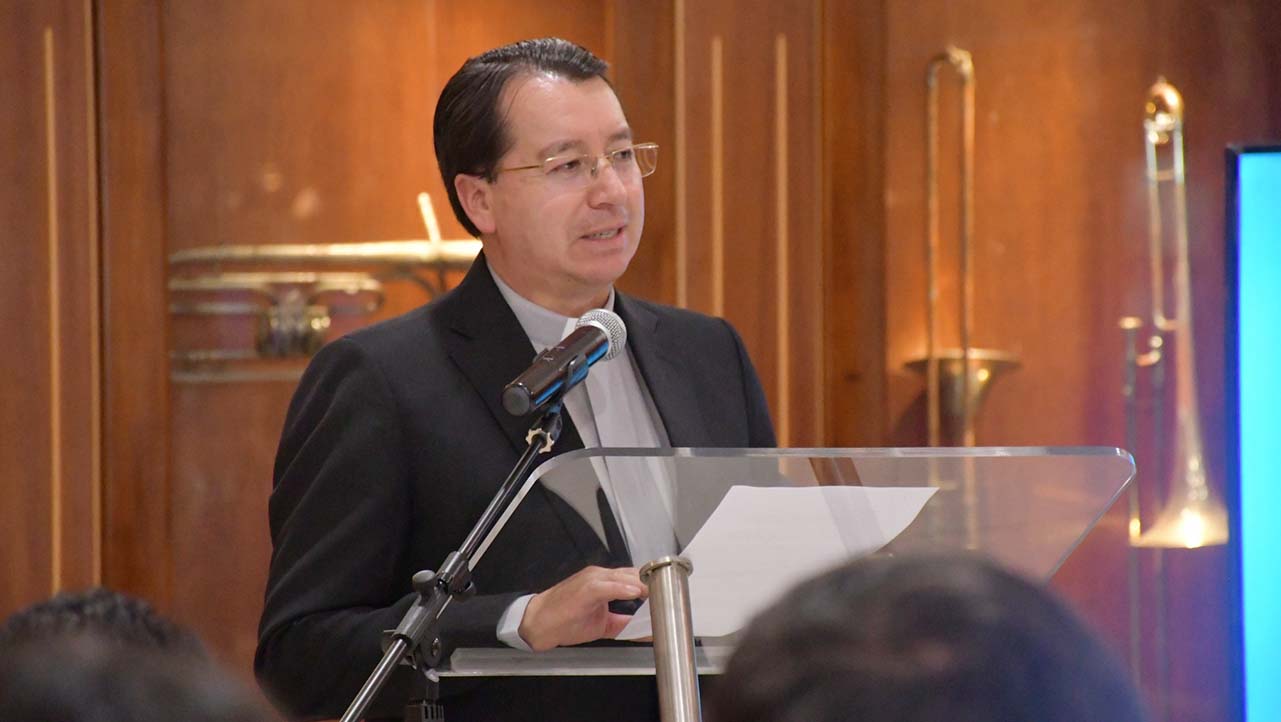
137, 535
854, 208
750, 215
25, 449
643, 70
49, 416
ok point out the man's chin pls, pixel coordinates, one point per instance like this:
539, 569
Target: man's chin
604, 268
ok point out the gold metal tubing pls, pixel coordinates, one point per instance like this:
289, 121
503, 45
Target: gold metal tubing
458, 253
962, 63
263, 281
235, 376
1130, 326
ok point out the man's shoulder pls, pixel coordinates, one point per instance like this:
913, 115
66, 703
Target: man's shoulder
674, 316
681, 327
410, 336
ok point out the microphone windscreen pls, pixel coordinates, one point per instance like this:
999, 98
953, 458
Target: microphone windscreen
611, 324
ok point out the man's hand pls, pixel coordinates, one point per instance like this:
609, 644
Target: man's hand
577, 609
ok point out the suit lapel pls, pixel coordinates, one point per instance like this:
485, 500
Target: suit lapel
489, 346
663, 371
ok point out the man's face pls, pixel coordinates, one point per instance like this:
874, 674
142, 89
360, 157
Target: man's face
559, 245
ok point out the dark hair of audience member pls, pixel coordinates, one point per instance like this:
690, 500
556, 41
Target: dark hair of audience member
111, 616
926, 639
91, 679
469, 130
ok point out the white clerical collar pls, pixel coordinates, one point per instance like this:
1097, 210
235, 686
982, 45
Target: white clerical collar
543, 326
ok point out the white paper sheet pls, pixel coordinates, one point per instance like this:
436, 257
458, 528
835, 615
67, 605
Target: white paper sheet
761, 541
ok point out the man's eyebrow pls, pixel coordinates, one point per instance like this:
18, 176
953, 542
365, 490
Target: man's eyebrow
553, 149
558, 147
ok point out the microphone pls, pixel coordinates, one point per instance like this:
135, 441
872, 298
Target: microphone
598, 334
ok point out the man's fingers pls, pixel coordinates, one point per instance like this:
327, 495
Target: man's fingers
604, 591
629, 575
614, 625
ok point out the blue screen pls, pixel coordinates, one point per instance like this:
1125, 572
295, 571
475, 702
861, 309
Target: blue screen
1259, 366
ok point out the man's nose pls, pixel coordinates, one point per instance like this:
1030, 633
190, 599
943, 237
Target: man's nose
607, 187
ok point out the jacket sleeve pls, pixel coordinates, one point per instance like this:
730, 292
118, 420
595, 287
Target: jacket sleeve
340, 515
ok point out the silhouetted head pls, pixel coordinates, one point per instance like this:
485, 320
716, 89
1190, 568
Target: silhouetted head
926, 639
111, 616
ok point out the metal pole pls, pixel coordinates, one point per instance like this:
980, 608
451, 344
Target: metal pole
668, 581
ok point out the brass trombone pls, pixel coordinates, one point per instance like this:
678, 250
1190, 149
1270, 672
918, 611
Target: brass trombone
1192, 515
956, 379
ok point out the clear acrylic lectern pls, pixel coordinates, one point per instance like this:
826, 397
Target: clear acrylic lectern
755, 521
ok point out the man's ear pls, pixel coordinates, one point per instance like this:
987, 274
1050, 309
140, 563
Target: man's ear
474, 193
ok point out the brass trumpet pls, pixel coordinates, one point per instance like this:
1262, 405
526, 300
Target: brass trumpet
1192, 516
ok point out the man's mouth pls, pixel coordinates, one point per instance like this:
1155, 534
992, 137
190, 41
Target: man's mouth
604, 235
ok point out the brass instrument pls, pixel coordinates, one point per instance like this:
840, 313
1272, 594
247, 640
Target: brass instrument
956, 379
1192, 516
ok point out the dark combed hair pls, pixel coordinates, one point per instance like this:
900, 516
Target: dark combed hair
468, 128
925, 639
109, 616
87, 679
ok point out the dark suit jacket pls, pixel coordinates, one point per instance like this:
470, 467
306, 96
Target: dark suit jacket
394, 443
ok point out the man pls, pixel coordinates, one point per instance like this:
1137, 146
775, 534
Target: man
921, 639
396, 439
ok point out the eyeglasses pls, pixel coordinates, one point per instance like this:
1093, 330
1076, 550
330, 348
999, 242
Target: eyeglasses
630, 163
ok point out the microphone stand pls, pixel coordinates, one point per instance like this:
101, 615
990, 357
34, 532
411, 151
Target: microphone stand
437, 589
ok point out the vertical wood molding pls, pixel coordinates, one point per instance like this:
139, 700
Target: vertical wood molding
818, 366
854, 207
55, 316
137, 539
93, 283
783, 306
682, 167
718, 175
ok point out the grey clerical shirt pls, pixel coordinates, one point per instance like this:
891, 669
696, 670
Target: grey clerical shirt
611, 408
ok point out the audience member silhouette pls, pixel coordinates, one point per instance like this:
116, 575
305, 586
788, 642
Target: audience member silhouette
113, 617
924, 639
102, 656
